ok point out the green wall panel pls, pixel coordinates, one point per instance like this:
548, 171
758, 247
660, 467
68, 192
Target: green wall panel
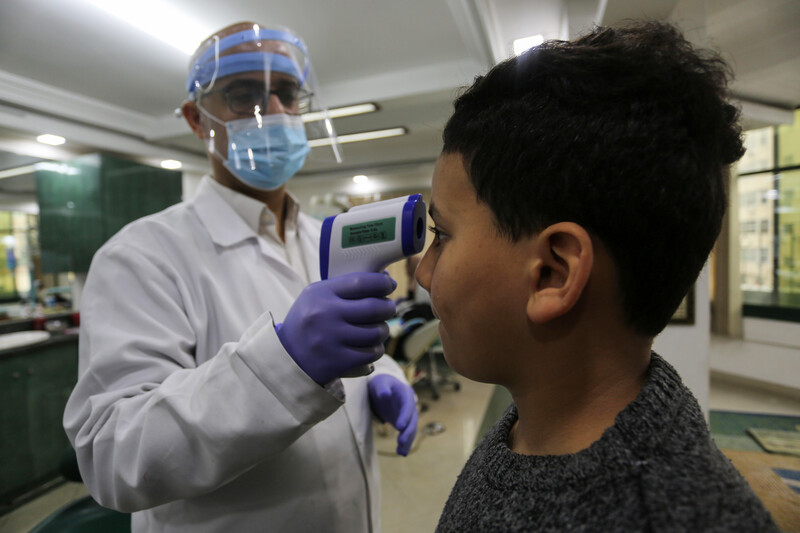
84, 202
73, 185
131, 192
16, 467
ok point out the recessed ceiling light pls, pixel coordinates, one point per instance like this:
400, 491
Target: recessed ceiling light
19, 171
171, 164
360, 179
53, 140
526, 43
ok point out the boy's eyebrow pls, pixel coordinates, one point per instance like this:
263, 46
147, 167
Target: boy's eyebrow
432, 211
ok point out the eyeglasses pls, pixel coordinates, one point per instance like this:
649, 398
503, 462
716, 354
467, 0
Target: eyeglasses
243, 96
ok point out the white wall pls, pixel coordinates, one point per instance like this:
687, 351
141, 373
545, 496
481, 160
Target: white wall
769, 353
686, 347
773, 332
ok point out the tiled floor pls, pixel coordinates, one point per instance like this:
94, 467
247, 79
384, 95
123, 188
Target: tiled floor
415, 488
23, 519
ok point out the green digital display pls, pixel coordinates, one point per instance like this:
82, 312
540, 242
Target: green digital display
370, 232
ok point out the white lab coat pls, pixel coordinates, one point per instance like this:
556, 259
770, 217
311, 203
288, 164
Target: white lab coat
188, 412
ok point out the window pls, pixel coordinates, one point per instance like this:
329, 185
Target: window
789, 236
17, 232
768, 187
756, 264
760, 154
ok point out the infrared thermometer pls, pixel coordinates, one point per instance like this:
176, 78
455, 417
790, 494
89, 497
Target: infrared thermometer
370, 237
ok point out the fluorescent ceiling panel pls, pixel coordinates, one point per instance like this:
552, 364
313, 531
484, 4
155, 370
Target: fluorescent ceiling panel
159, 19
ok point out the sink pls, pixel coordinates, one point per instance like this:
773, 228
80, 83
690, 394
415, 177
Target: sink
22, 338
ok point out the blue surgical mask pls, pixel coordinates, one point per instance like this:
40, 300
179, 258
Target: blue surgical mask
265, 151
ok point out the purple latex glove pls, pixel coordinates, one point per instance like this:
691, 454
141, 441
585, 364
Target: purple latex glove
393, 401
338, 324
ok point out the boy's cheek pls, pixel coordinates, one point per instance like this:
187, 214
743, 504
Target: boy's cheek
433, 309
438, 305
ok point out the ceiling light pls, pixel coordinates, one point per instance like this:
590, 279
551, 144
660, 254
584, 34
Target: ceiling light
185, 36
360, 179
526, 43
53, 140
171, 164
60, 168
355, 137
19, 171
338, 112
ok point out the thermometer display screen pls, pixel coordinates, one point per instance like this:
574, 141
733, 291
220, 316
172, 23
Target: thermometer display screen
370, 232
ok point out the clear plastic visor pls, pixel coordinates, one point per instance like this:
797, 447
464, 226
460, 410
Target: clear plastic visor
254, 73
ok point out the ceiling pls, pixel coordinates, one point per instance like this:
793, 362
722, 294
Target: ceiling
69, 68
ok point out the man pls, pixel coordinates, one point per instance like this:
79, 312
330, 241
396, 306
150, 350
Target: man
209, 396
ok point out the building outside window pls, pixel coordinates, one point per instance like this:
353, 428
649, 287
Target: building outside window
768, 187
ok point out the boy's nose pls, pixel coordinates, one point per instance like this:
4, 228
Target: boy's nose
423, 272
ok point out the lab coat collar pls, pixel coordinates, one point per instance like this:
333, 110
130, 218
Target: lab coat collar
250, 209
222, 223
226, 228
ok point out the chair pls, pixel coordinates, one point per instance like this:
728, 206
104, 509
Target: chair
399, 331
420, 343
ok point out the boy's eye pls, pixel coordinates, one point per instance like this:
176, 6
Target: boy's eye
437, 235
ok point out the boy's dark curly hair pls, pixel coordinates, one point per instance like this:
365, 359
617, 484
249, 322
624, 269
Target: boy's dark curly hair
625, 131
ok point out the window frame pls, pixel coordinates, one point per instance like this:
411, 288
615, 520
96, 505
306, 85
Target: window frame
771, 306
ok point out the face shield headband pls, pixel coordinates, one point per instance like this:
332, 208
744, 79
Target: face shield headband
210, 65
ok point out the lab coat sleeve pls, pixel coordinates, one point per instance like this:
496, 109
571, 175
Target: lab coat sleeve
151, 426
387, 365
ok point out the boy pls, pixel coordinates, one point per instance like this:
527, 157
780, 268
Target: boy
579, 192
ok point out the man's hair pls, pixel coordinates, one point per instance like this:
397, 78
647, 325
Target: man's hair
624, 131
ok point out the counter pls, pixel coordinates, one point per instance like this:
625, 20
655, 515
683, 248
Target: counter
55, 338
11, 325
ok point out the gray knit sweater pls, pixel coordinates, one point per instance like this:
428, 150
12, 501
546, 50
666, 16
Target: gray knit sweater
655, 469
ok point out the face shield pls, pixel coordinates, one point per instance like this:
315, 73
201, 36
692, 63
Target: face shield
259, 95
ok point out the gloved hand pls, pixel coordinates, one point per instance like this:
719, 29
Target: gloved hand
338, 324
393, 401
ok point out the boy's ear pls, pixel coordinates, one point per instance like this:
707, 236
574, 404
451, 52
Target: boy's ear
559, 272
191, 113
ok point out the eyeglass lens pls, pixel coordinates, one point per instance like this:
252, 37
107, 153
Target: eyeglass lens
244, 97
